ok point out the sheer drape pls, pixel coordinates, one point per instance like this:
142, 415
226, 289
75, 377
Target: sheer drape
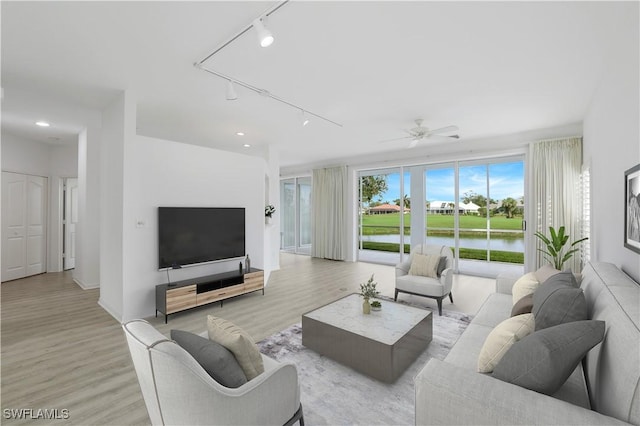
556, 195
328, 213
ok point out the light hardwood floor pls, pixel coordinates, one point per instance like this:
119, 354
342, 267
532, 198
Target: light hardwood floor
61, 350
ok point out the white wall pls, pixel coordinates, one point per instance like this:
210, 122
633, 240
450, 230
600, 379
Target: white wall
111, 206
612, 145
165, 173
56, 163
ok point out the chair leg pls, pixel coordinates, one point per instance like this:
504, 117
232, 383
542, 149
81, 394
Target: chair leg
440, 305
301, 419
395, 297
451, 296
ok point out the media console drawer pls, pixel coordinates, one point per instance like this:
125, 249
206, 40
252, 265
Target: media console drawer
188, 294
179, 299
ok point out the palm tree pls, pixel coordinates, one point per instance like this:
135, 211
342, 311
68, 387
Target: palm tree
509, 205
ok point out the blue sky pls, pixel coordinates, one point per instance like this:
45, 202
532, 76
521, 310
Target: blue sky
506, 180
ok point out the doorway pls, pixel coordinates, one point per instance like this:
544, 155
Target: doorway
24, 225
295, 218
69, 222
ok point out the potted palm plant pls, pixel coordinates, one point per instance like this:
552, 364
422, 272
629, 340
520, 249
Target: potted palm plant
555, 246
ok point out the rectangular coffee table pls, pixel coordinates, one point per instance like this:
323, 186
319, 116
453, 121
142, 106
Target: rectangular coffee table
381, 345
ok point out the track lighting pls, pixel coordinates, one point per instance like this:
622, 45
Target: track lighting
305, 119
231, 92
264, 35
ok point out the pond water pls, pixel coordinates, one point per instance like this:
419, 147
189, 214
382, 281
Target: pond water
496, 243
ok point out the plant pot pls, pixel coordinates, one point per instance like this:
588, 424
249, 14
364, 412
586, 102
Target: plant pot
376, 308
366, 307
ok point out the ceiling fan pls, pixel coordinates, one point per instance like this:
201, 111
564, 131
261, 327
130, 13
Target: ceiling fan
420, 133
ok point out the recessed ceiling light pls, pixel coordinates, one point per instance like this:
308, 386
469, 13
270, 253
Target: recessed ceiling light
42, 124
240, 133
246, 145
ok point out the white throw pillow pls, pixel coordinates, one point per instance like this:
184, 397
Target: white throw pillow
239, 343
425, 265
526, 284
501, 338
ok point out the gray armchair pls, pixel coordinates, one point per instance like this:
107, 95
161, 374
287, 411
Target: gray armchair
435, 288
177, 390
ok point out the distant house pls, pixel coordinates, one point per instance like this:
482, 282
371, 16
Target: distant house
386, 209
447, 207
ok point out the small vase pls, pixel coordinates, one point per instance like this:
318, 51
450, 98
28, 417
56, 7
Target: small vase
366, 307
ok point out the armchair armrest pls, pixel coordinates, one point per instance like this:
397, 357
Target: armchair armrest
448, 394
446, 279
504, 282
403, 268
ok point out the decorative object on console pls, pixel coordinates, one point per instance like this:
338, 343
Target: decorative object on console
247, 263
368, 291
632, 209
555, 246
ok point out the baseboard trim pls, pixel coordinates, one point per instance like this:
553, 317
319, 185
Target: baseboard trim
110, 310
85, 286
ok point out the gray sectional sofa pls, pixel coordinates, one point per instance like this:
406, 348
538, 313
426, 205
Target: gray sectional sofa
603, 390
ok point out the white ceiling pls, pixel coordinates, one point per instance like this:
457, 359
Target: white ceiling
491, 68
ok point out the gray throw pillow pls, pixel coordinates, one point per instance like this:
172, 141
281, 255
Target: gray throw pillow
544, 360
442, 265
216, 360
523, 306
562, 278
556, 303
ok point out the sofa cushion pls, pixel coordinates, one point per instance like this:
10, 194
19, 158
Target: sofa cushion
526, 284
425, 265
555, 303
442, 265
544, 360
216, 360
523, 306
502, 338
495, 309
420, 285
239, 343
465, 352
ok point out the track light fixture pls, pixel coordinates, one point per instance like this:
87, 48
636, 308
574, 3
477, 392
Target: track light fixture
231, 92
305, 119
264, 35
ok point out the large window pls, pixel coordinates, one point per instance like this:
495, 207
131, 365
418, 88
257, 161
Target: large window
476, 208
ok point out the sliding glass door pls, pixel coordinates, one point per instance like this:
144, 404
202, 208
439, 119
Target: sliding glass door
295, 218
384, 215
476, 208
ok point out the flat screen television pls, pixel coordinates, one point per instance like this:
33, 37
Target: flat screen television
191, 235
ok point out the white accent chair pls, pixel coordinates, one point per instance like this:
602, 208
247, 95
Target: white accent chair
435, 288
178, 391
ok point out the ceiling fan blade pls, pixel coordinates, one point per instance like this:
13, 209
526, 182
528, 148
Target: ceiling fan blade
395, 139
444, 130
443, 137
413, 143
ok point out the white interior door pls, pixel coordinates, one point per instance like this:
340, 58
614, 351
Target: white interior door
70, 220
24, 205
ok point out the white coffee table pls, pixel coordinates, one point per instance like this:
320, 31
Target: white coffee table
382, 344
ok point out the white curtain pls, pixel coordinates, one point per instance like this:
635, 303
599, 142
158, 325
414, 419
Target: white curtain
556, 179
328, 213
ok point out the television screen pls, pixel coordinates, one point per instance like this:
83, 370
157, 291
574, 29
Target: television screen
189, 235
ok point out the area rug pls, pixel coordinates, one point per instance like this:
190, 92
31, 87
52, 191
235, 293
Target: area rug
332, 394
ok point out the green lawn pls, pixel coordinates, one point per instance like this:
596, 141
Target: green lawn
445, 221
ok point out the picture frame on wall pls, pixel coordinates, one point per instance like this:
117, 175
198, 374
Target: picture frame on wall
632, 209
